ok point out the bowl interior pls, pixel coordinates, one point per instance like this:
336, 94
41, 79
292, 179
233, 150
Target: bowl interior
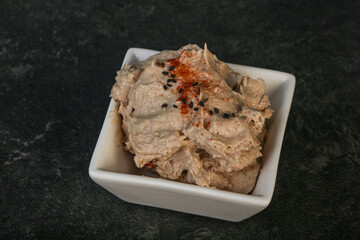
110, 156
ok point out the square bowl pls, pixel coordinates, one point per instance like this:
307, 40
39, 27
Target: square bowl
114, 169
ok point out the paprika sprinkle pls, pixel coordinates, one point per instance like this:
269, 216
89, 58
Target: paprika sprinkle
188, 76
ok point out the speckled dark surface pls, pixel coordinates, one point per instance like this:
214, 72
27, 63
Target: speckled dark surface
57, 65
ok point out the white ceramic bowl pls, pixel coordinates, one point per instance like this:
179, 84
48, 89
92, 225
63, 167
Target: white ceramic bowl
113, 168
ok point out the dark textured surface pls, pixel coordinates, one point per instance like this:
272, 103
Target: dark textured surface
57, 65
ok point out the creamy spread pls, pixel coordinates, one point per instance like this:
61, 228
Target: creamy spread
182, 119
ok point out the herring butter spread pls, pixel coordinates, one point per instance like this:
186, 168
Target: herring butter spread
182, 119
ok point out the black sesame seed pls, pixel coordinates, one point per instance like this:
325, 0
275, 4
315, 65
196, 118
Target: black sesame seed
171, 68
191, 104
169, 80
164, 105
169, 85
165, 72
195, 84
216, 110
226, 115
180, 90
183, 100
165, 87
205, 99
174, 106
198, 91
195, 109
211, 112
172, 75
201, 103
233, 114
173, 80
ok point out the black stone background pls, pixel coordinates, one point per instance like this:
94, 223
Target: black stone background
57, 65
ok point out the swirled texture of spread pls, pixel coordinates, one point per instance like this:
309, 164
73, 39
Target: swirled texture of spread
182, 119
